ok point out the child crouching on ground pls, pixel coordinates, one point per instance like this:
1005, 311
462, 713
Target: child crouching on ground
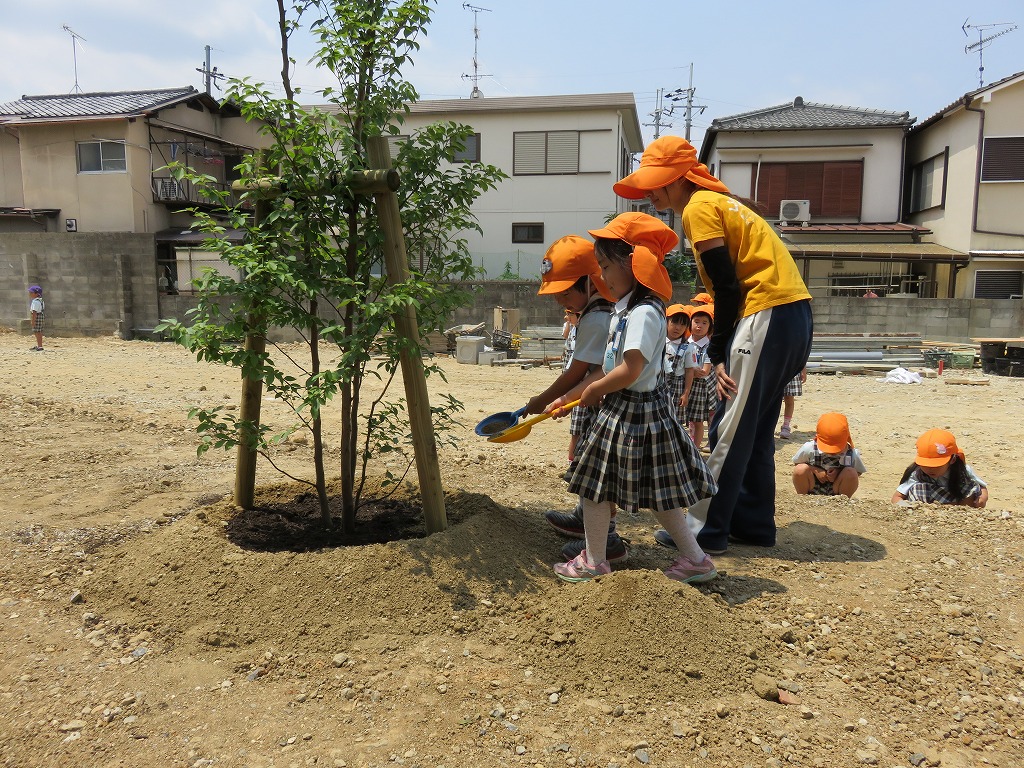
828, 465
637, 454
940, 474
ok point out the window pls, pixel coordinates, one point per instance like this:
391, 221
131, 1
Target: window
546, 153
101, 157
998, 283
1003, 159
834, 189
528, 233
470, 153
928, 184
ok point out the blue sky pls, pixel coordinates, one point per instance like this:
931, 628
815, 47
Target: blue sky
902, 55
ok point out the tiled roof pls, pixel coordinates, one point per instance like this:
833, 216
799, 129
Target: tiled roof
966, 99
803, 115
72, 105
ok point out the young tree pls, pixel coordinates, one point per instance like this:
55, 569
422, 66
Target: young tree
312, 262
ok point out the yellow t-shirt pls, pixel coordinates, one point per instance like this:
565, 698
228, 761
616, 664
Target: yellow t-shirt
767, 274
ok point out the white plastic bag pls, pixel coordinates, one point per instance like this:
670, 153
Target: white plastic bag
901, 376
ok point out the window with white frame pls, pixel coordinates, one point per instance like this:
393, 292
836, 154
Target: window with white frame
1003, 159
545, 153
928, 184
101, 157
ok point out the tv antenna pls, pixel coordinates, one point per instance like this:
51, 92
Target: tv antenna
475, 77
210, 76
983, 41
75, 37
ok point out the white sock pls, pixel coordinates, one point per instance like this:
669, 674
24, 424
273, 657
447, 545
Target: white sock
674, 521
596, 517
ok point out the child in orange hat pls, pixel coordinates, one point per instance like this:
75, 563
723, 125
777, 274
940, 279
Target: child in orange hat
940, 474
637, 454
570, 275
676, 346
762, 334
828, 465
702, 298
700, 398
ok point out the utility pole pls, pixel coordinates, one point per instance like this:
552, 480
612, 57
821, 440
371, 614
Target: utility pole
659, 114
687, 95
210, 76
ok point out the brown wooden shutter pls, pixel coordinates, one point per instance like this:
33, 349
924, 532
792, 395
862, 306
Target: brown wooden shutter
842, 189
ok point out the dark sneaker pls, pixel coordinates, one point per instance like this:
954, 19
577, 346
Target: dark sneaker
566, 524
617, 551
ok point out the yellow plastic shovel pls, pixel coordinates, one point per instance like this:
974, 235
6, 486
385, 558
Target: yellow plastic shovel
519, 431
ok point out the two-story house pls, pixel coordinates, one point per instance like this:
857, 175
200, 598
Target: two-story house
831, 177
85, 172
965, 183
561, 153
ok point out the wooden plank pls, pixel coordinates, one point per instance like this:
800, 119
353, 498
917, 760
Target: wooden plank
970, 381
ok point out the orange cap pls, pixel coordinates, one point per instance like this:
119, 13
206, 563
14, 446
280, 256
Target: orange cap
567, 260
665, 160
703, 298
936, 447
704, 309
651, 239
833, 433
677, 309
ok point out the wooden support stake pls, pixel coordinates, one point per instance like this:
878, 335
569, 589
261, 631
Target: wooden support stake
397, 262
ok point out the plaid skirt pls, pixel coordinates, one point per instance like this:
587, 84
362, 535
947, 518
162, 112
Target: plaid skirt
795, 388
37, 322
581, 419
675, 386
638, 456
703, 398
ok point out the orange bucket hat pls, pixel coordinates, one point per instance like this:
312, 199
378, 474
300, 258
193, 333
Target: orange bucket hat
703, 298
567, 260
665, 160
936, 447
833, 433
703, 309
651, 239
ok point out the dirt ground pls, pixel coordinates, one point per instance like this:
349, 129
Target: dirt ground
136, 630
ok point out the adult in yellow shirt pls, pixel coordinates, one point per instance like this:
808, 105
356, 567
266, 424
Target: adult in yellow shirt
762, 336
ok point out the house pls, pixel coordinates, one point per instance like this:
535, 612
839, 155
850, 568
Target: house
831, 177
86, 200
561, 153
965, 183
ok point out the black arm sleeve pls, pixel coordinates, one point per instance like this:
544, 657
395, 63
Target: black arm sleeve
722, 275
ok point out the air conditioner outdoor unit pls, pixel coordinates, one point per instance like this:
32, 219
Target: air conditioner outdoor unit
167, 190
794, 211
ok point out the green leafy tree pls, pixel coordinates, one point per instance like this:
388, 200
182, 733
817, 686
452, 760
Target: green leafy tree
312, 259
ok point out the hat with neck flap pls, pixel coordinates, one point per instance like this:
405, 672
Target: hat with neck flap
666, 160
651, 239
567, 260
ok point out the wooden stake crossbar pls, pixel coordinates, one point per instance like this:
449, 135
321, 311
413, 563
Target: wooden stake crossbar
381, 182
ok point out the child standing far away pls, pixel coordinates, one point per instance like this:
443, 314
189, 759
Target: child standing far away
762, 335
700, 397
828, 465
37, 309
637, 453
940, 474
793, 390
676, 346
570, 275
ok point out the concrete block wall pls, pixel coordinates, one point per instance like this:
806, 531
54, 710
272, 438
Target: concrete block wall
957, 320
94, 284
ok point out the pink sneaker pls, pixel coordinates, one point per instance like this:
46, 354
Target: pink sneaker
578, 569
785, 433
689, 572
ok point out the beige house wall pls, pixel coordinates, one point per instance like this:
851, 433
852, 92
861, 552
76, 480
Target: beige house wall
10, 170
